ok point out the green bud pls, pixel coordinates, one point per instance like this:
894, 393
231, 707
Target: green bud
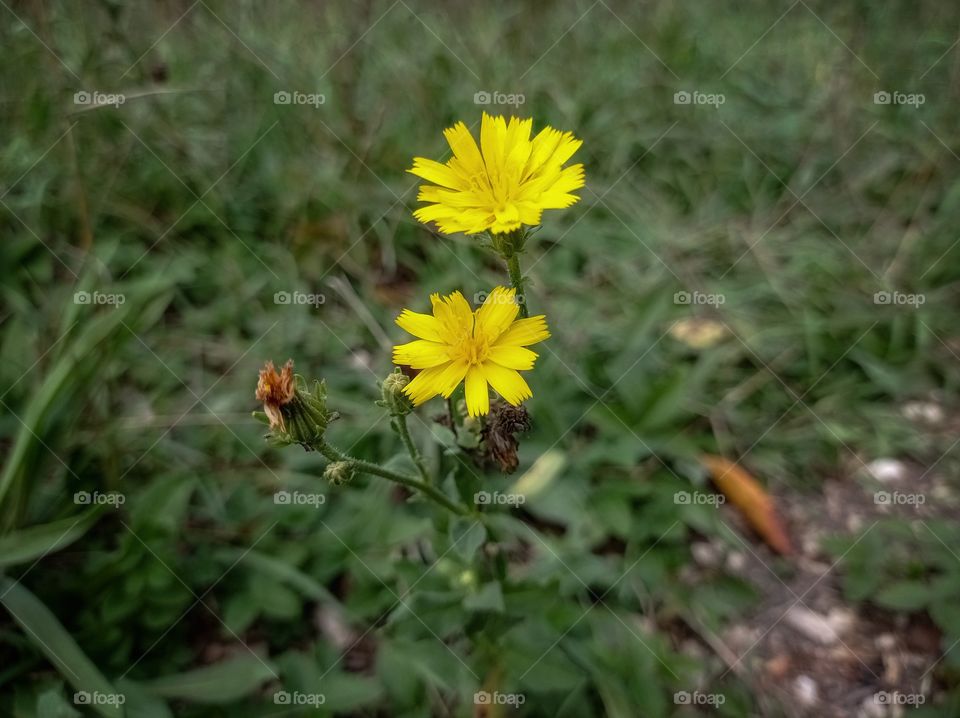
394, 399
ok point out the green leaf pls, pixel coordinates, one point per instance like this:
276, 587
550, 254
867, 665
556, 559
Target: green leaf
239, 611
347, 692
281, 571
50, 638
140, 704
32, 543
488, 598
468, 536
52, 704
904, 596
278, 601
223, 682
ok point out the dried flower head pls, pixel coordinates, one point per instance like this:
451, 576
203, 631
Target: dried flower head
275, 389
500, 443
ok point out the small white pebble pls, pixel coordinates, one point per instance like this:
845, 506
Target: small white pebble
887, 470
812, 625
806, 690
925, 411
736, 562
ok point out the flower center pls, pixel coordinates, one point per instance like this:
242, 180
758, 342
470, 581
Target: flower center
473, 350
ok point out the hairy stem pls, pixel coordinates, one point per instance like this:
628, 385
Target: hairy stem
400, 424
411, 482
516, 279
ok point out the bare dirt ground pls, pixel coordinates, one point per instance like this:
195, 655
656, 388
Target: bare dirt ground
808, 648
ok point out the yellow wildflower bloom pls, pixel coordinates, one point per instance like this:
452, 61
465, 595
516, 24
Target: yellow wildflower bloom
456, 344
504, 183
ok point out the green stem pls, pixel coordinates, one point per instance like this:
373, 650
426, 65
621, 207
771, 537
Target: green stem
367, 467
516, 279
400, 424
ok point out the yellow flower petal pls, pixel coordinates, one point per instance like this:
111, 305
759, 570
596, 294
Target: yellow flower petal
512, 357
420, 325
454, 314
465, 151
506, 382
437, 173
524, 332
421, 354
475, 392
426, 385
499, 310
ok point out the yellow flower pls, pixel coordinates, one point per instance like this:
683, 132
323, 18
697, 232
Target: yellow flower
456, 344
505, 183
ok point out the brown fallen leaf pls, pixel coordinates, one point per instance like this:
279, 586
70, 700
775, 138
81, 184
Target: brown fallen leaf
756, 505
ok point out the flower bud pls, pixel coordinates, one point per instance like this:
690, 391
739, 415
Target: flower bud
339, 473
394, 399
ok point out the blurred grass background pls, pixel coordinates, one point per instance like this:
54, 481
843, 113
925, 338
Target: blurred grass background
199, 198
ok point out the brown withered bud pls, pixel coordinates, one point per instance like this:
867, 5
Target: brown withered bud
275, 389
500, 443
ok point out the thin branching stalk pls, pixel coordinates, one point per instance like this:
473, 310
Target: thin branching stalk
411, 482
400, 424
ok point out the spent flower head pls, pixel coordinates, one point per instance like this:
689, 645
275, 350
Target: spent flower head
295, 414
504, 183
276, 390
484, 347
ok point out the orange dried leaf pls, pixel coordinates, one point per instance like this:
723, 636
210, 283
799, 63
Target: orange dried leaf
756, 505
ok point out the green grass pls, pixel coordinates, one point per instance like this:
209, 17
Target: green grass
199, 198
